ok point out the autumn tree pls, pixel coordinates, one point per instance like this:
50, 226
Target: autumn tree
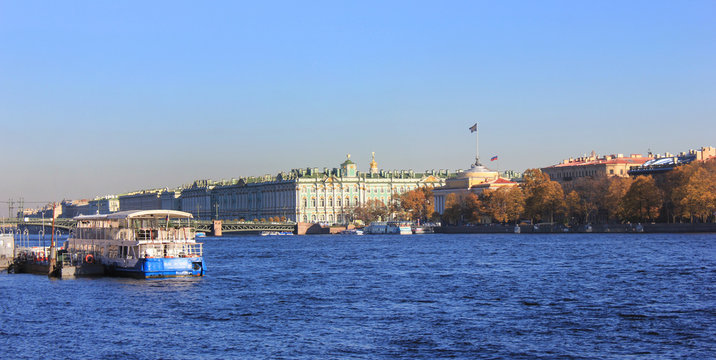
417, 203
689, 190
697, 194
575, 206
372, 210
453, 209
505, 204
617, 189
473, 208
543, 197
592, 194
642, 201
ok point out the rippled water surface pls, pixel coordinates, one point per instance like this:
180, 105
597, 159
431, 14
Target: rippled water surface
365, 297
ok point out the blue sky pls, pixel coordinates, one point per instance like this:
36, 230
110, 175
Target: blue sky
100, 97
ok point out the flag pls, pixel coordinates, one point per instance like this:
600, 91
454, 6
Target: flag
473, 128
493, 158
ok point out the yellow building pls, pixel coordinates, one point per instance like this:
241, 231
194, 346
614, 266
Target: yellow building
594, 165
475, 180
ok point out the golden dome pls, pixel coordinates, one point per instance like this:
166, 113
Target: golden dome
373, 164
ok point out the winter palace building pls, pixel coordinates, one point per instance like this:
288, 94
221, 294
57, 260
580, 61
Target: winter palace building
305, 195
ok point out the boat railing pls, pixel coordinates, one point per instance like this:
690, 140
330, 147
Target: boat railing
141, 234
33, 254
149, 250
77, 258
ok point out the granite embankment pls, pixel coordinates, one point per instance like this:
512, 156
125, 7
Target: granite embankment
599, 228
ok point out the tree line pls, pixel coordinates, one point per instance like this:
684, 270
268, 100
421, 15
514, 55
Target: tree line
685, 194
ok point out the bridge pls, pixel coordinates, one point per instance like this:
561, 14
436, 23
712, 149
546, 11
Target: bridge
218, 227
60, 223
225, 226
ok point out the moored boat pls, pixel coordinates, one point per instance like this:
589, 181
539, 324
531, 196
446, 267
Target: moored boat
390, 227
352, 232
275, 233
139, 243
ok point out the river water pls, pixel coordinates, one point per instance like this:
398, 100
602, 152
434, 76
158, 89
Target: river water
492, 296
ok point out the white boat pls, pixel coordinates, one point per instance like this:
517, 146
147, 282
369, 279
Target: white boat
390, 227
376, 227
352, 232
139, 243
275, 233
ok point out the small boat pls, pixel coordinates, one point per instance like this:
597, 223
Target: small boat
400, 228
275, 233
376, 227
352, 232
389, 228
200, 234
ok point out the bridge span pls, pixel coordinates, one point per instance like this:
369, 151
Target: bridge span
215, 227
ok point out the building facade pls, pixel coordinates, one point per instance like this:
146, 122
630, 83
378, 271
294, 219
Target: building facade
104, 205
661, 164
301, 195
310, 195
476, 180
594, 165
141, 200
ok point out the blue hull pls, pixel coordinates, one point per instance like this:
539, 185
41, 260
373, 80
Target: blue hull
161, 268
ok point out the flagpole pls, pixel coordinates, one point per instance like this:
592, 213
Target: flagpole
477, 146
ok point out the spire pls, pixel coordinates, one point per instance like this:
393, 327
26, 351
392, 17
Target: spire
373, 164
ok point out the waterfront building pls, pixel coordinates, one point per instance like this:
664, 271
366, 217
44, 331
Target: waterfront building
103, 205
141, 200
301, 195
310, 195
476, 180
594, 165
72, 208
170, 199
196, 199
664, 163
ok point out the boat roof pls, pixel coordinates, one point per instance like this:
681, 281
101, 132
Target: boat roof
138, 214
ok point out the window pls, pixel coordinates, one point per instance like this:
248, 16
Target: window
322, 203
330, 201
611, 172
338, 202
313, 202
303, 202
348, 201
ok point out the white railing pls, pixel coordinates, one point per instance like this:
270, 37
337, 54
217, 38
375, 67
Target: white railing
170, 250
146, 234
